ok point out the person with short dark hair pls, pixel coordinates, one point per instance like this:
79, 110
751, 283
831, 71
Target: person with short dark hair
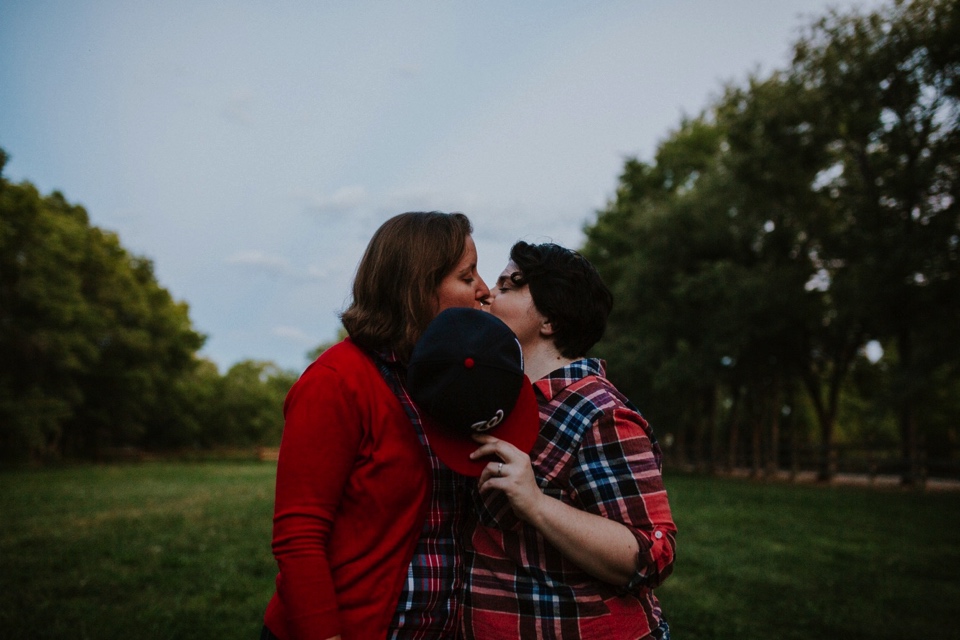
570, 540
367, 522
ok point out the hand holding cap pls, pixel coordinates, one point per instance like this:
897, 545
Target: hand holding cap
466, 374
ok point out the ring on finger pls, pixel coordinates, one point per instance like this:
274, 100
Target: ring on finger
500, 470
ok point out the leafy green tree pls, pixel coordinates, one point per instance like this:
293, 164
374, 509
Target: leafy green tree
190, 411
144, 343
92, 347
709, 286
46, 321
775, 153
650, 244
249, 405
887, 86
814, 210
95, 354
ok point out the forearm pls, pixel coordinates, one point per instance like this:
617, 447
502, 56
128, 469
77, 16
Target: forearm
305, 583
605, 549
608, 549
657, 543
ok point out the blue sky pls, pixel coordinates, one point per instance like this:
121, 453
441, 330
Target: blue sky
251, 148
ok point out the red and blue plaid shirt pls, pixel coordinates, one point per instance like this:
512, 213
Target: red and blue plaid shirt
597, 453
430, 603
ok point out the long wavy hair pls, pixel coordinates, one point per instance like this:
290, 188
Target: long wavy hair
399, 275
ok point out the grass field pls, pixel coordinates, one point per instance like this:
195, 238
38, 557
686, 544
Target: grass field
181, 550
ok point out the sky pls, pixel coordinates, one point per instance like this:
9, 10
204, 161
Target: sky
251, 148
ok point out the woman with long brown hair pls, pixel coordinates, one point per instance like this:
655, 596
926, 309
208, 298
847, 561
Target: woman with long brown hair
366, 519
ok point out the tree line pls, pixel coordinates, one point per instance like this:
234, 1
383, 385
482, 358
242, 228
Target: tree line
96, 355
803, 215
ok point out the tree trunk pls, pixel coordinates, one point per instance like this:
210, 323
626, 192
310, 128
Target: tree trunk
734, 431
826, 463
680, 446
773, 451
794, 440
713, 436
756, 433
907, 417
696, 446
826, 413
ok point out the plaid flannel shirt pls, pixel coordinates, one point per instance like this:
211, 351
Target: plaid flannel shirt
430, 603
595, 452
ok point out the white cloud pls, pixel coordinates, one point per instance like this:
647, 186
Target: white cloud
277, 266
414, 198
295, 334
257, 258
316, 273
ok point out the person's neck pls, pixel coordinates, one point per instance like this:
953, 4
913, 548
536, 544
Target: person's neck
542, 358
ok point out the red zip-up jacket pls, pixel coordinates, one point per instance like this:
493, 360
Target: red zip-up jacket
353, 487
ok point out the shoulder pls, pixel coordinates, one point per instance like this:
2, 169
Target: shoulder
598, 404
345, 358
579, 397
343, 366
344, 353
582, 384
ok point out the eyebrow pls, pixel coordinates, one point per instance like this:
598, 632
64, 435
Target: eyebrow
507, 277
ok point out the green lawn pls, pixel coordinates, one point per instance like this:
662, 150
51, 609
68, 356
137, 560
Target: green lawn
182, 550
136, 551
783, 561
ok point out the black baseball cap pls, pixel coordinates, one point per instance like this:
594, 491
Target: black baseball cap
466, 374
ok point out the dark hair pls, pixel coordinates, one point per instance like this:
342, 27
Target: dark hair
566, 289
395, 288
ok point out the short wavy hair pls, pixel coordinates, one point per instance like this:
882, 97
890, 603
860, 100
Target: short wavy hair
398, 277
568, 290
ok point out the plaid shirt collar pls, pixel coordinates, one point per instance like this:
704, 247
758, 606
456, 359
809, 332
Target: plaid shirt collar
389, 356
558, 380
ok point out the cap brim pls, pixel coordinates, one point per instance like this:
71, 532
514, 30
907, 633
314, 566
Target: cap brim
520, 429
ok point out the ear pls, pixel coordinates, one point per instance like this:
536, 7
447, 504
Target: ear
546, 328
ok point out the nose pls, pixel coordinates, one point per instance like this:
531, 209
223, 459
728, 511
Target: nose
483, 291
